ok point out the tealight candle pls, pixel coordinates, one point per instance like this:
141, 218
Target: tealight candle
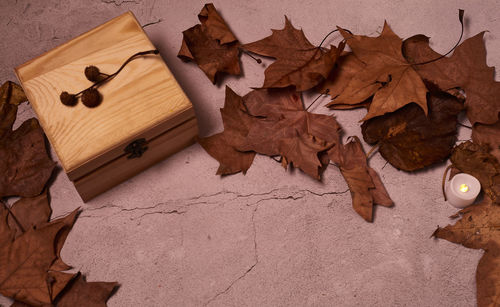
462, 190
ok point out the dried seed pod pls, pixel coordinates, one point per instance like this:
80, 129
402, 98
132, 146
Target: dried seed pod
91, 98
94, 74
68, 99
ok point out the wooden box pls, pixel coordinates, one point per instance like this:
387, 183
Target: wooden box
144, 101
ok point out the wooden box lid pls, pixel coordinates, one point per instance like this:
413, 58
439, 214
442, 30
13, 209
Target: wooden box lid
142, 101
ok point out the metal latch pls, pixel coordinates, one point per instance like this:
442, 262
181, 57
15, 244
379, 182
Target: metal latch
136, 148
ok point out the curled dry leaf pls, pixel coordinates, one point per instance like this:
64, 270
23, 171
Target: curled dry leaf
221, 146
211, 45
25, 165
298, 62
28, 274
466, 69
479, 228
270, 122
364, 183
475, 159
488, 135
410, 140
387, 76
92, 294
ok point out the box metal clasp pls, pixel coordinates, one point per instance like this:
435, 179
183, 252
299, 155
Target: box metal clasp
136, 148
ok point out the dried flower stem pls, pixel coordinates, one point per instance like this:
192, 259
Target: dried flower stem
109, 77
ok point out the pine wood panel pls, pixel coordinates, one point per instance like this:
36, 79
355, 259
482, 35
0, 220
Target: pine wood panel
121, 168
143, 97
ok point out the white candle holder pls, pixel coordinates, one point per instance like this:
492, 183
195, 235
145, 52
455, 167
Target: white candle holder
462, 190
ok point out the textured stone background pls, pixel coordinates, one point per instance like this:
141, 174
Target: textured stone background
177, 235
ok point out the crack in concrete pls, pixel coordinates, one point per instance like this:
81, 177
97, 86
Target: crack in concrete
160, 212
119, 3
197, 200
256, 261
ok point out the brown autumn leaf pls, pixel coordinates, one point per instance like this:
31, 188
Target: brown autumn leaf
364, 183
6, 233
475, 160
346, 67
11, 95
19, 304
25, 166
88, 294
298, 62
221, 146
410, 140
29, 213
211, 45
387, 76
282, 127
479, 228
466, 68
271, 122
28, 274
488, 135
24, 163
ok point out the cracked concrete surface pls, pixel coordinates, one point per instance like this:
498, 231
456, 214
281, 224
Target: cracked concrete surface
177, 235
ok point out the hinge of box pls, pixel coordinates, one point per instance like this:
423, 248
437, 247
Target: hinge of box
136, 148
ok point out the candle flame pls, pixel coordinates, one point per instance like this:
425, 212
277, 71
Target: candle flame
464, 188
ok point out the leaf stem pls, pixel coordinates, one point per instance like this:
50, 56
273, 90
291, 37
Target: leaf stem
375, 147
277, 160
331, 32
250, 55
321, 94
13, 217
461, 19
464, 125
444, 179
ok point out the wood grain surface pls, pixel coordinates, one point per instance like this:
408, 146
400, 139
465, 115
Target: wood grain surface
143, 97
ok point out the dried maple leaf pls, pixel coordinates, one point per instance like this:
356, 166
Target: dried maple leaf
90, 294
11, 95
19, 304
6, 233
387, 76
211, 45
24, 164
475, 159
29, 213
282, 127
479, 228
364, 183
410, 140
28, 273
466, 69
346, 67
221, 146
270, 122
488, 135
298, 62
